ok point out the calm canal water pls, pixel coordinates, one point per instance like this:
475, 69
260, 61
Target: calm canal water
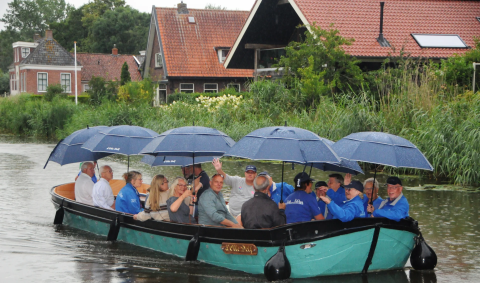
33, 250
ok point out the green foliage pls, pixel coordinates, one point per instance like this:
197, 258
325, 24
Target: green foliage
7, 37
83, 98
4, 83
54, 90
100, 90
125, 74
33, 16
71, 29
339, 70
136, 92
210, 6
459, 69
191, 97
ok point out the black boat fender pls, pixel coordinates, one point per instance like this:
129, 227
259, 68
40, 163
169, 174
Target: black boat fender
114, 229
193, 247
423, 257
59, 215
278, 267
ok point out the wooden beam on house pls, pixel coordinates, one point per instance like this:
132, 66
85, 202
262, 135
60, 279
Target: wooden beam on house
263, 46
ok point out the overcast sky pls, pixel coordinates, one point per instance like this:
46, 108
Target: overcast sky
146, 5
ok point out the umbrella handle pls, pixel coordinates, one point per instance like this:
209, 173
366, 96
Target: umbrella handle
281, 191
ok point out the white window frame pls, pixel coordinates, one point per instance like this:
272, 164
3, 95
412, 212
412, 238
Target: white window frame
46, 86
239, 86
188, 89
221, 59
12, 82
25, 48
210, 90
161, 88
158, 60
70, 82
86, 87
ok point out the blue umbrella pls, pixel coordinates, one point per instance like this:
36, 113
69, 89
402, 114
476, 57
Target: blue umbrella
381, 148
287, 144
193, 141
69, 150
175, 160
126, 140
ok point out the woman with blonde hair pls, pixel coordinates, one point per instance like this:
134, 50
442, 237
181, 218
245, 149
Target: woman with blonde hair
158, 195
180, 202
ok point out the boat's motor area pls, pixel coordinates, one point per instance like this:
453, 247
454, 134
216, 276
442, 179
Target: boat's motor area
278, 267
423, 257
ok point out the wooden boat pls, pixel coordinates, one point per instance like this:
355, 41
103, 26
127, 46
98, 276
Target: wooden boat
307, 249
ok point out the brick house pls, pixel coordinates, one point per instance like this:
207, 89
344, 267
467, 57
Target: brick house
187, 47
43, 62
421, 28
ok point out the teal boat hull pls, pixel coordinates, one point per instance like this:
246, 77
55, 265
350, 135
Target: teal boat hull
316, 248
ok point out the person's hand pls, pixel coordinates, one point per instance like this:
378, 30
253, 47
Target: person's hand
282, 205
370, 208
135, 216
238, 226
348, 179
187, 193
217, 164
325, 199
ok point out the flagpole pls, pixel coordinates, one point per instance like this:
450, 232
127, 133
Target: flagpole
76, 86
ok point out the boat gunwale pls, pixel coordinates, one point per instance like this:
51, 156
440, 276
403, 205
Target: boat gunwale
212, 234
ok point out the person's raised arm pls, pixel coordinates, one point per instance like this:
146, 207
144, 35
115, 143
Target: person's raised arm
176, 204
218, 166
348, 179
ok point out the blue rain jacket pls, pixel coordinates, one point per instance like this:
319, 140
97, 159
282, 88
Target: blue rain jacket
394, 210
351, 209
338, 197
275, 195
376, 203
128, 200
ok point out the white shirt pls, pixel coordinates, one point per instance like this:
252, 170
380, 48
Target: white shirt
102, 194
240, 193
83, 189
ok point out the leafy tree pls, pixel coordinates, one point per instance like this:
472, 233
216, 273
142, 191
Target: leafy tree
4, 83
124, 26
459, 68
71, 29
321, 54
125, 75
98, 90
53, 91
7, 37
33, 16
136, 92
214, 7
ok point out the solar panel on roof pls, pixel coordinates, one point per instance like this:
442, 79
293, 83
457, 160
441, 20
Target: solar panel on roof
191, 20
439, 40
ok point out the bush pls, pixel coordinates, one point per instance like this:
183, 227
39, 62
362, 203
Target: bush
4, 83
53, 91
100, 90
136, 92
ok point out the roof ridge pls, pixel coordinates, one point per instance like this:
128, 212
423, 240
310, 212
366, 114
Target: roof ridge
198, 9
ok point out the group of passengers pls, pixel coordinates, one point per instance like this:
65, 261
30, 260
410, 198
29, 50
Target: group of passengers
255, 200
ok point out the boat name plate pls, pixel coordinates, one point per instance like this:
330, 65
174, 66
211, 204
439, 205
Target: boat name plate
239, 249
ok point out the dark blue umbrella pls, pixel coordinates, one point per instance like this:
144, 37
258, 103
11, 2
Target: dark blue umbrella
383, 149
288, 144
69, 150
175, 160
193, 141
125, 140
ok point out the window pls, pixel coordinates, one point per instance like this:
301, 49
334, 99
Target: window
158, 60
187, 88
236, 87
269, 57
65, 82
86, 87
42, 82
439, 41
13, 85
210, 88
25, 52
161, 94
222, 54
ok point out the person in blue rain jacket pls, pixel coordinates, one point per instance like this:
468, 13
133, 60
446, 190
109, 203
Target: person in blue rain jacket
128, 199
352, 207
396, 206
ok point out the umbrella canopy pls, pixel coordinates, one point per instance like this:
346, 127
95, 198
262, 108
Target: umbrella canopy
190, 141
345, 166
126, 140
69, 150
383, 149
288, 144
175, 160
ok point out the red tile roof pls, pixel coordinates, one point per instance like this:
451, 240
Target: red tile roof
107, 66
189, 48
360, 19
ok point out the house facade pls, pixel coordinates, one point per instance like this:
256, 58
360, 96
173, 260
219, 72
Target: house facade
44, 62
187, 47
417, 28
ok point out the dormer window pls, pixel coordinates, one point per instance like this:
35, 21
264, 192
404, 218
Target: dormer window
222, 54
25, 52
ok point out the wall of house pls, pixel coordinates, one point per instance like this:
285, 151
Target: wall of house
53, 78
174, 84
156, 74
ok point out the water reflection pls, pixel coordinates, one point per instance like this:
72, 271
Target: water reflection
31, 247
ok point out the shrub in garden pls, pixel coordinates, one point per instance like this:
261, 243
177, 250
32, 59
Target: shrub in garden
54, 90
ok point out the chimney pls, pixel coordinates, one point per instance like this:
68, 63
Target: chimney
142, 53
114, 50
382, 40
36, 37
49, 34
182, 8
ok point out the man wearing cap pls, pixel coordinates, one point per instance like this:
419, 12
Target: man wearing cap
352, 207
242, 188
321, 189
301, 206
261, 211
396, 206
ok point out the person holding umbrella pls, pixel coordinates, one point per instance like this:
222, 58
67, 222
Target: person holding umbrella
352, 208
396, 206
301, 206
371, 191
